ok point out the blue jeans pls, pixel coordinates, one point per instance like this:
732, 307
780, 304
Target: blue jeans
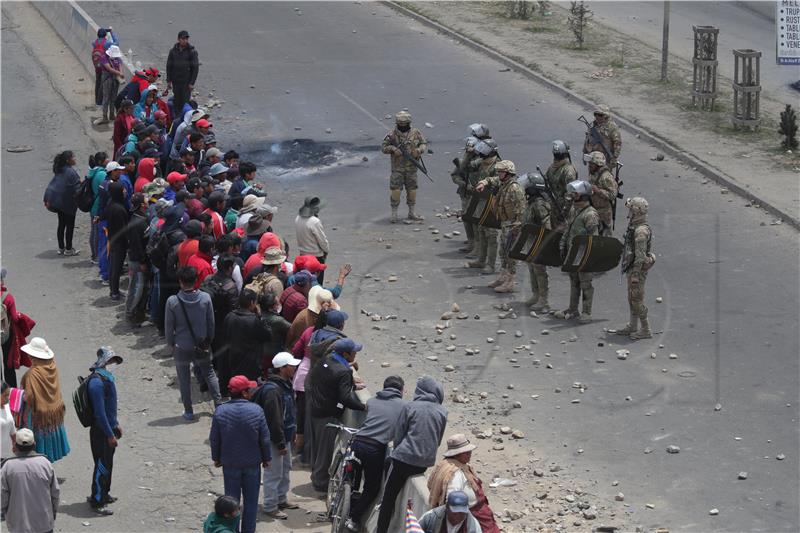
244, 484
102, 249
276, 478
93, 235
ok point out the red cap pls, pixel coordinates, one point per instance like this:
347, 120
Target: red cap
203, 123
175, 177
239, 384
308, 262
160, 114
240, 232
152, 71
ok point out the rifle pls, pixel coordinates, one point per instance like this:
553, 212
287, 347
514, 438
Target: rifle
419, 164
549, 190
619, 195
595, 137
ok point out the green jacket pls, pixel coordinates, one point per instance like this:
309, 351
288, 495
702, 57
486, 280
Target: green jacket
538, 213
217, 524
582, 221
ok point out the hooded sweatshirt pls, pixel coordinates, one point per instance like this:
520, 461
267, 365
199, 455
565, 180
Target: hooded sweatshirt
116, 215
219, 524
143, 112
201, 314
180, 135
146, 172
267, 240
98, 176
421, 424
383, 411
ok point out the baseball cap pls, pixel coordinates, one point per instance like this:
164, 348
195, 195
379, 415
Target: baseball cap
113, 165
217, 168
203, 123
25, 437
186, 150
346, 345
173, 177
335, 318
152, 71
214, 152
457, 502
303, 278
182, 34
284, 358
160, 114
239, 384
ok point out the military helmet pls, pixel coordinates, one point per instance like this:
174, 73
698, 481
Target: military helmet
403, 117
471, 141
481, 131
560, 147
584, 188
507, 166
637, 205
532, 181
491, 143
598, 158
484, 149
602, 109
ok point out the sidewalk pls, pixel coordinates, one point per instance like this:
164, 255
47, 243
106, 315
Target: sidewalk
621, 71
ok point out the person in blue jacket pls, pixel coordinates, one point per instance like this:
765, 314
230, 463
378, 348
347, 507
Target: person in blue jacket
105, 428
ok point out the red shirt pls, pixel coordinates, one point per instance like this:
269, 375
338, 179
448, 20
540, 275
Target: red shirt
187, 249
202, 263
292, 301
217, 224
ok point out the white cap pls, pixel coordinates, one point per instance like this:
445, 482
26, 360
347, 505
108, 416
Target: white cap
113, 165
283, 359
24, 437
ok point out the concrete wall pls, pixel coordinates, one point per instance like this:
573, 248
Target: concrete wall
76, 28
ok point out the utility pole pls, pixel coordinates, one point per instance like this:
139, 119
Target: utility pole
665, 42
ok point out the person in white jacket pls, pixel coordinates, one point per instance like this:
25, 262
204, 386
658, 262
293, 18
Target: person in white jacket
311, 238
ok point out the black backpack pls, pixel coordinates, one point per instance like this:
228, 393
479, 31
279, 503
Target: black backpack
80, 398
84, 197
214, 288
158, 249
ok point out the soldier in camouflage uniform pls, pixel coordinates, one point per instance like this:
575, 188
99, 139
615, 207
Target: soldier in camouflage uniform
538, 214
404, 172
607, 138
604, 190
485, 238
583, 220
637, 259
511, 206
561, 172
464, 177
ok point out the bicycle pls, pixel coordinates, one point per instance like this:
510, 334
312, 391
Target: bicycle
345, 473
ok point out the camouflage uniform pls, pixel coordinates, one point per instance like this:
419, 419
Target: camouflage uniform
538, 213
485, 238
637, 259
510, 207
609, 133
583, 220
404, 172
604, 197
464, 176
561, 172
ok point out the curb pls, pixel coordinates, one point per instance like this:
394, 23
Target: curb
706, 169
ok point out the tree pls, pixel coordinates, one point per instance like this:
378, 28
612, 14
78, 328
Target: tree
788, 128
578, 20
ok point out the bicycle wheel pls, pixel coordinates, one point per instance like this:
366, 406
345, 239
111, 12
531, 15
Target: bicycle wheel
337, 470
342, 511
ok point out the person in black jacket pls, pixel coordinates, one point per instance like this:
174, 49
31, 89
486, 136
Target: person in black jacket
139, 276
116, 216
182, 69
245, 332
333, 387
276, 397
224, 298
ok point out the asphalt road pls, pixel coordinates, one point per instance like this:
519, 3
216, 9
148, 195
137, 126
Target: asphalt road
740, 27
728, 279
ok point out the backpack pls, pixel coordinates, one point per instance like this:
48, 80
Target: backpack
158, 249
98, 53
260, 283
81, 401
84, 196
216, 290
130, 91
5, 321
171, 264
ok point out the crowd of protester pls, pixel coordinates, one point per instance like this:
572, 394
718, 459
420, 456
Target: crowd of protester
191, 227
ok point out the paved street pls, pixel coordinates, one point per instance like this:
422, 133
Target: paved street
728, 279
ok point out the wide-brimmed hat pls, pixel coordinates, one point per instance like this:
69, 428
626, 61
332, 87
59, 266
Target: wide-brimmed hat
317, 295
273, 256
311, 206
114, 51
250, 202
106, 356
257, 225
457, 444
38, 348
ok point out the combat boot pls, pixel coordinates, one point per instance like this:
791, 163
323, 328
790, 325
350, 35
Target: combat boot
586, 312
543, 284
572, 310
488, 270
499, 281
530, 302
644, 330
507, 286
393, 217
467, 248
630, 327
412, 215
480, 253
533, 300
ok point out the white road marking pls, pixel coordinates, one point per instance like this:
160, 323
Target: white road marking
357, 106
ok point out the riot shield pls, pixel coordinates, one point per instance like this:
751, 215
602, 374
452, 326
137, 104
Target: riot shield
480, 210
592, 253
538, 245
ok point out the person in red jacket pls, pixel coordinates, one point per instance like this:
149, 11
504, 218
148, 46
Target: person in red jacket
145, 173
123, 124
16, 326
193, 230
201, 261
